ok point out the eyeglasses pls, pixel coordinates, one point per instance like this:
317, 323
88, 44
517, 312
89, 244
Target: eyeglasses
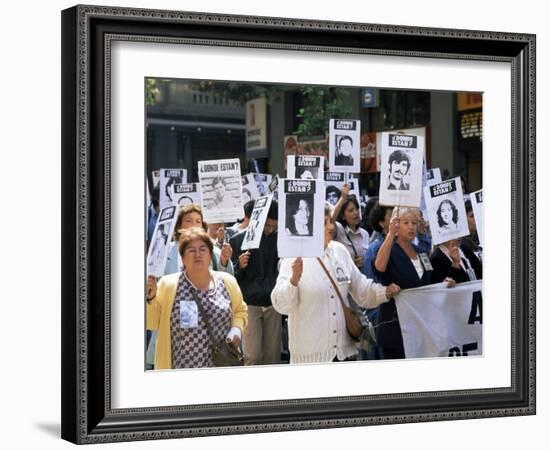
202, 250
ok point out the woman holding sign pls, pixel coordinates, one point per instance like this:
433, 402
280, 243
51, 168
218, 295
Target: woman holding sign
310, 292
348, 230
182, 301
400, 261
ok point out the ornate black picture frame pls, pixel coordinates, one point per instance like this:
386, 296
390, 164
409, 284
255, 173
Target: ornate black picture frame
87, 414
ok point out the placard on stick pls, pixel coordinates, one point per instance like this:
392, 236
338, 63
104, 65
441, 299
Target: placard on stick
221, 190
255, 228
345, 145
401, 174
446, 211
301, 218
305, 167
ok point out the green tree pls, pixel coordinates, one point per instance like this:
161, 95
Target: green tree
320, 104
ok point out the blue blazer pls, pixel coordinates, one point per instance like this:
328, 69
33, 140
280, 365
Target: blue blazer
400, 270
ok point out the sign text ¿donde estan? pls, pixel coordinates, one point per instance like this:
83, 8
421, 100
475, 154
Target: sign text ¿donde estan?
402, 140
443, 188
219, 167
299, 186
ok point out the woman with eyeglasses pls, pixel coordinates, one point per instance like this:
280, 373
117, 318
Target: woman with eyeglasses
173, 311
188, 216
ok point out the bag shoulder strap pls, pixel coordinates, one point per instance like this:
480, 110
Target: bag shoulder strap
205, 317
332, 281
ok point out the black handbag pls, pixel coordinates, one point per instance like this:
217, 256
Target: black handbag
224, 354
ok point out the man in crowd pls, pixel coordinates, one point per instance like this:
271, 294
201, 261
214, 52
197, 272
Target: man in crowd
399, 167
256, 271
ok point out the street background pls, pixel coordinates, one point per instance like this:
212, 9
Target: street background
30, 80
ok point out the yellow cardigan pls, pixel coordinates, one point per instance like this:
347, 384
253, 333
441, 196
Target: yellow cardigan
159, 310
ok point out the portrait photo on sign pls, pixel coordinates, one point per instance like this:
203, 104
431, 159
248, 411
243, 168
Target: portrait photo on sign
301, 217
221, 190
401, 174
267, 177
250, 188
160, 240
186, 194
305, 167
344, 145
168, 178
446, 211
255, 227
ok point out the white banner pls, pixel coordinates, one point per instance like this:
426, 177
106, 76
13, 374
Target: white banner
440, 321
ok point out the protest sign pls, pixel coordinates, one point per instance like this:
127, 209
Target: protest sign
477, 207
301, 218
162, 235
221, 190
305, 167
155, 176
344, 145
401, 174
439, 321
255, 227
250, 188
274, 185
185, 194
433, 176
262, 181
446, 211
333, 186
169, 177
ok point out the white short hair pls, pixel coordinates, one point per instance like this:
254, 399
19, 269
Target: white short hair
400, 211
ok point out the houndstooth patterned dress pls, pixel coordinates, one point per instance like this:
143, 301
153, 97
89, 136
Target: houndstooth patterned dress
191, 347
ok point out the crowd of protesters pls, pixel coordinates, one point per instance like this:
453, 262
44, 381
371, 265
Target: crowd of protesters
277, 309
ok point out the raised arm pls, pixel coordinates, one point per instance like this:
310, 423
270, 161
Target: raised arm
383, 255
343, 197
286, 294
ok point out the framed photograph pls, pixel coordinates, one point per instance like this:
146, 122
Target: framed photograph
108, 57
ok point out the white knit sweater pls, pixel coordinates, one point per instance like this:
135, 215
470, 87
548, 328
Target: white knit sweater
316, 324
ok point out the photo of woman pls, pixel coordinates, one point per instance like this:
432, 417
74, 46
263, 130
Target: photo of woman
447, 216
299, 215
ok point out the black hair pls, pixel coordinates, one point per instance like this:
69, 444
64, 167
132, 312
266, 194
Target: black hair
345, 138
453, 208
273, 212
248, 207
377, 215
399, 156
468, 206
350, 199
332, 188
